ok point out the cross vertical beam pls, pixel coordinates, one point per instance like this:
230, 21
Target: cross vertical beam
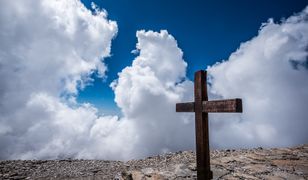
202, 129
202, 107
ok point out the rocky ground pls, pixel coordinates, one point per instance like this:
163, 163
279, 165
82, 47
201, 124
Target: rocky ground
277, 163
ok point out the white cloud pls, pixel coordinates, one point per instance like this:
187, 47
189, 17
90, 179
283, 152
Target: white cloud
49, 49
269, 73
147, 92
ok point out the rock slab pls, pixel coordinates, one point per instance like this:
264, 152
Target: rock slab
258, 163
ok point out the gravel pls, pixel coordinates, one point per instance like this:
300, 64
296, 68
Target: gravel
258, 163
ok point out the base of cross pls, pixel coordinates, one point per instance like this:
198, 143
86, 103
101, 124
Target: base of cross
205, 174
201, 106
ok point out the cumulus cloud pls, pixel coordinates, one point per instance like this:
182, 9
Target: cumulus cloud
269, 73
147, 92
49, 49
48, 52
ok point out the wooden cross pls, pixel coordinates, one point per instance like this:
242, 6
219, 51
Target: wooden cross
202, 107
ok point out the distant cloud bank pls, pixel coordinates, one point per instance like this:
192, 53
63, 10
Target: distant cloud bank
49, 49
270, 74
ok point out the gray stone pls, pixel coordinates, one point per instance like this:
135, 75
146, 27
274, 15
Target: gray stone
259, 163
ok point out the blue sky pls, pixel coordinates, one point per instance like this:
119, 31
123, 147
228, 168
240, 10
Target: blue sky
50, 56
206, 31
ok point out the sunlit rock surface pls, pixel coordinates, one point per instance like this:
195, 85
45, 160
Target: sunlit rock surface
259, 163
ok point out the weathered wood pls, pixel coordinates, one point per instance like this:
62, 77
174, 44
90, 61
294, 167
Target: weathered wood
202, 107
228, 105
185, 107
202, 129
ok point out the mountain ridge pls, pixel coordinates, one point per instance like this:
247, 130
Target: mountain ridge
257, 163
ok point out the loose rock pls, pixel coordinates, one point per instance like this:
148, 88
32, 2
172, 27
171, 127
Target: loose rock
259, 163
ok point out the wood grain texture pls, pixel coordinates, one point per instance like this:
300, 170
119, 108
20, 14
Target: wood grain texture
202, 129
228, 105
216, 106
185, 107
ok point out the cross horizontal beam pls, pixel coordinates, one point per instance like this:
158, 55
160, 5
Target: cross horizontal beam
228, 105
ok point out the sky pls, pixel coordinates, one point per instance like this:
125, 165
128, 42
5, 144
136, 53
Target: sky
83, 80
207, 32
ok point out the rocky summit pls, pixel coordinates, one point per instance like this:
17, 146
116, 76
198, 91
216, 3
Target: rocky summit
259, 163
